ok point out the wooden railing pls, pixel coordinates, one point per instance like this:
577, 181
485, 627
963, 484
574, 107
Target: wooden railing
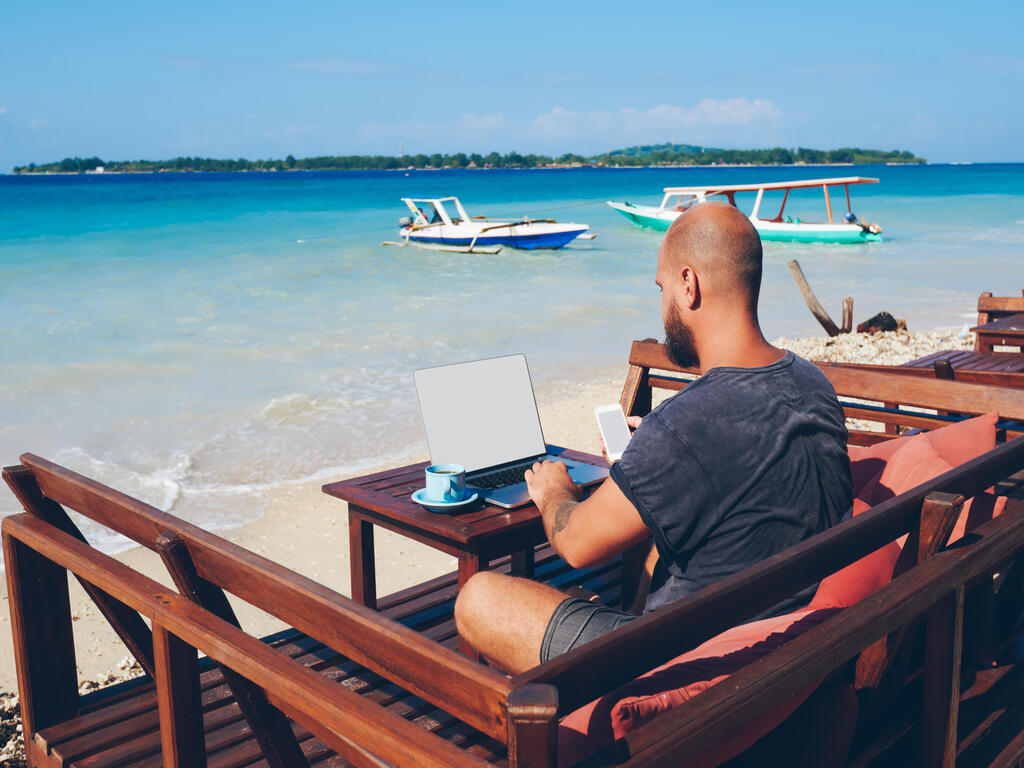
475, 694
648, 359
37, 555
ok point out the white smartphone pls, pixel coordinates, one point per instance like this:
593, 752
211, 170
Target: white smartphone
614, 430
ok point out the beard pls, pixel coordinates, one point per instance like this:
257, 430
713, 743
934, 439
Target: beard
679, 344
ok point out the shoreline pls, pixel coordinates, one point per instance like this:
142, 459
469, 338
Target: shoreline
553, 167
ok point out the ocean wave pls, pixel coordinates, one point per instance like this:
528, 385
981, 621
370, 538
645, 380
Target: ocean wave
160, 487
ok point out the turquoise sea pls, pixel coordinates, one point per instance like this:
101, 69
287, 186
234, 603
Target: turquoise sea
196, 339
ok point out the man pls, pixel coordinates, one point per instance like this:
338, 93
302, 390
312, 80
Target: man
745, 462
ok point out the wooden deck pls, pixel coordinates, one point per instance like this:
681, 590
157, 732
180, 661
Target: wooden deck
97, 737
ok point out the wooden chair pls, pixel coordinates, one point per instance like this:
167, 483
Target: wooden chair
995, 307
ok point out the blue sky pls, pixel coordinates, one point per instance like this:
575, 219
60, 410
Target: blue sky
256, 79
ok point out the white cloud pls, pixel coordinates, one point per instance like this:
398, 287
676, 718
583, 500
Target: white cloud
37, 123
339, 66
711, 122
3, 110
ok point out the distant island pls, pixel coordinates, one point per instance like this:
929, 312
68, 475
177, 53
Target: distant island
648, 155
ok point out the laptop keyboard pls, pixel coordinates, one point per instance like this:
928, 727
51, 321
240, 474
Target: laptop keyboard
499, 479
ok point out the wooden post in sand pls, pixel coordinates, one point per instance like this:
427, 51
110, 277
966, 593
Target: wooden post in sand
815, 306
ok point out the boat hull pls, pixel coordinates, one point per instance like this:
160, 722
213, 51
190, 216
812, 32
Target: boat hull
646, 216
527, 237
660, 220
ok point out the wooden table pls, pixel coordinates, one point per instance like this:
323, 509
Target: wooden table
477, 537
1007, 331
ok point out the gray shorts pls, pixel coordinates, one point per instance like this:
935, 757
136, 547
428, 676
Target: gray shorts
577, 621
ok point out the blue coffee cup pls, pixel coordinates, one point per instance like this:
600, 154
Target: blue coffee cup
446, 482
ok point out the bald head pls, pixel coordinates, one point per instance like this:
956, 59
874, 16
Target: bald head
721, 245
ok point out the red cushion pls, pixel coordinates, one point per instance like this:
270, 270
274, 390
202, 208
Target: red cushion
890, 468
955, 443
917, 461
600, 722
959, 443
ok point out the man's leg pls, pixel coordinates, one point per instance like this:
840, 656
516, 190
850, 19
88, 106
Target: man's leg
505, 618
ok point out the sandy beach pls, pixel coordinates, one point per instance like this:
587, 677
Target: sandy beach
306, 531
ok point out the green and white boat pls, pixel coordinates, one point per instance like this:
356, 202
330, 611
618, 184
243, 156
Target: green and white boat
678, 200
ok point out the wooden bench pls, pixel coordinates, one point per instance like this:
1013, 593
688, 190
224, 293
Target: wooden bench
982, 365
349, 685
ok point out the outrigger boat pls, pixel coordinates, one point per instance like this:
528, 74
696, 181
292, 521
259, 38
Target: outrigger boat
433, 226
677, 200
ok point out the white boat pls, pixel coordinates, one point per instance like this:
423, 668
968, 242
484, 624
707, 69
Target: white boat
442, 224
677, 200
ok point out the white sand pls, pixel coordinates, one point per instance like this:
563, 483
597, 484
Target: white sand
307, 531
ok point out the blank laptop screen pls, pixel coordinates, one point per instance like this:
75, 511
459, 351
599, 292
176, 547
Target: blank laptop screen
481, 413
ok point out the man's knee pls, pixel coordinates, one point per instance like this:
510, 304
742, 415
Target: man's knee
476, 596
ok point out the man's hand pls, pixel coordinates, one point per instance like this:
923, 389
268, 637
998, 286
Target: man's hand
549, 484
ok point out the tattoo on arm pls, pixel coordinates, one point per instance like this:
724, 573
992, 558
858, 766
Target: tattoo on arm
562, 514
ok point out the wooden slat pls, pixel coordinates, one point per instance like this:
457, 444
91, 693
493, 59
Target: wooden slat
1006, 304
925, 393
651, 354
338, 717
474, 693
44, 646
943, 646
177, 686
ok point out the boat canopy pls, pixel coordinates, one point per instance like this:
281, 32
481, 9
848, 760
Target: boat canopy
796, 184
683, 198
432, 210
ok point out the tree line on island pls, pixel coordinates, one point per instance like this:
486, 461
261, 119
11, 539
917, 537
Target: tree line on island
649, 155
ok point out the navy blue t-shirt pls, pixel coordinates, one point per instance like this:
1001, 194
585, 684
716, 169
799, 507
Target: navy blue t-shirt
740, 465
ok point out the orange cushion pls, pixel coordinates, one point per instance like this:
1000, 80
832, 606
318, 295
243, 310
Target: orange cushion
956, 443
859, 579
890, 468
959, 443
600, 722
917, 461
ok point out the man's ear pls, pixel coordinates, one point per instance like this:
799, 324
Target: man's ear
691, 288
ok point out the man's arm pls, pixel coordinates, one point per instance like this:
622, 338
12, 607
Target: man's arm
587, 532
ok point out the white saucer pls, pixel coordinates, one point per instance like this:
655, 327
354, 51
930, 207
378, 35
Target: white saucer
441, 506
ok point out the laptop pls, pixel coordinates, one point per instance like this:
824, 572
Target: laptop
483, 415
